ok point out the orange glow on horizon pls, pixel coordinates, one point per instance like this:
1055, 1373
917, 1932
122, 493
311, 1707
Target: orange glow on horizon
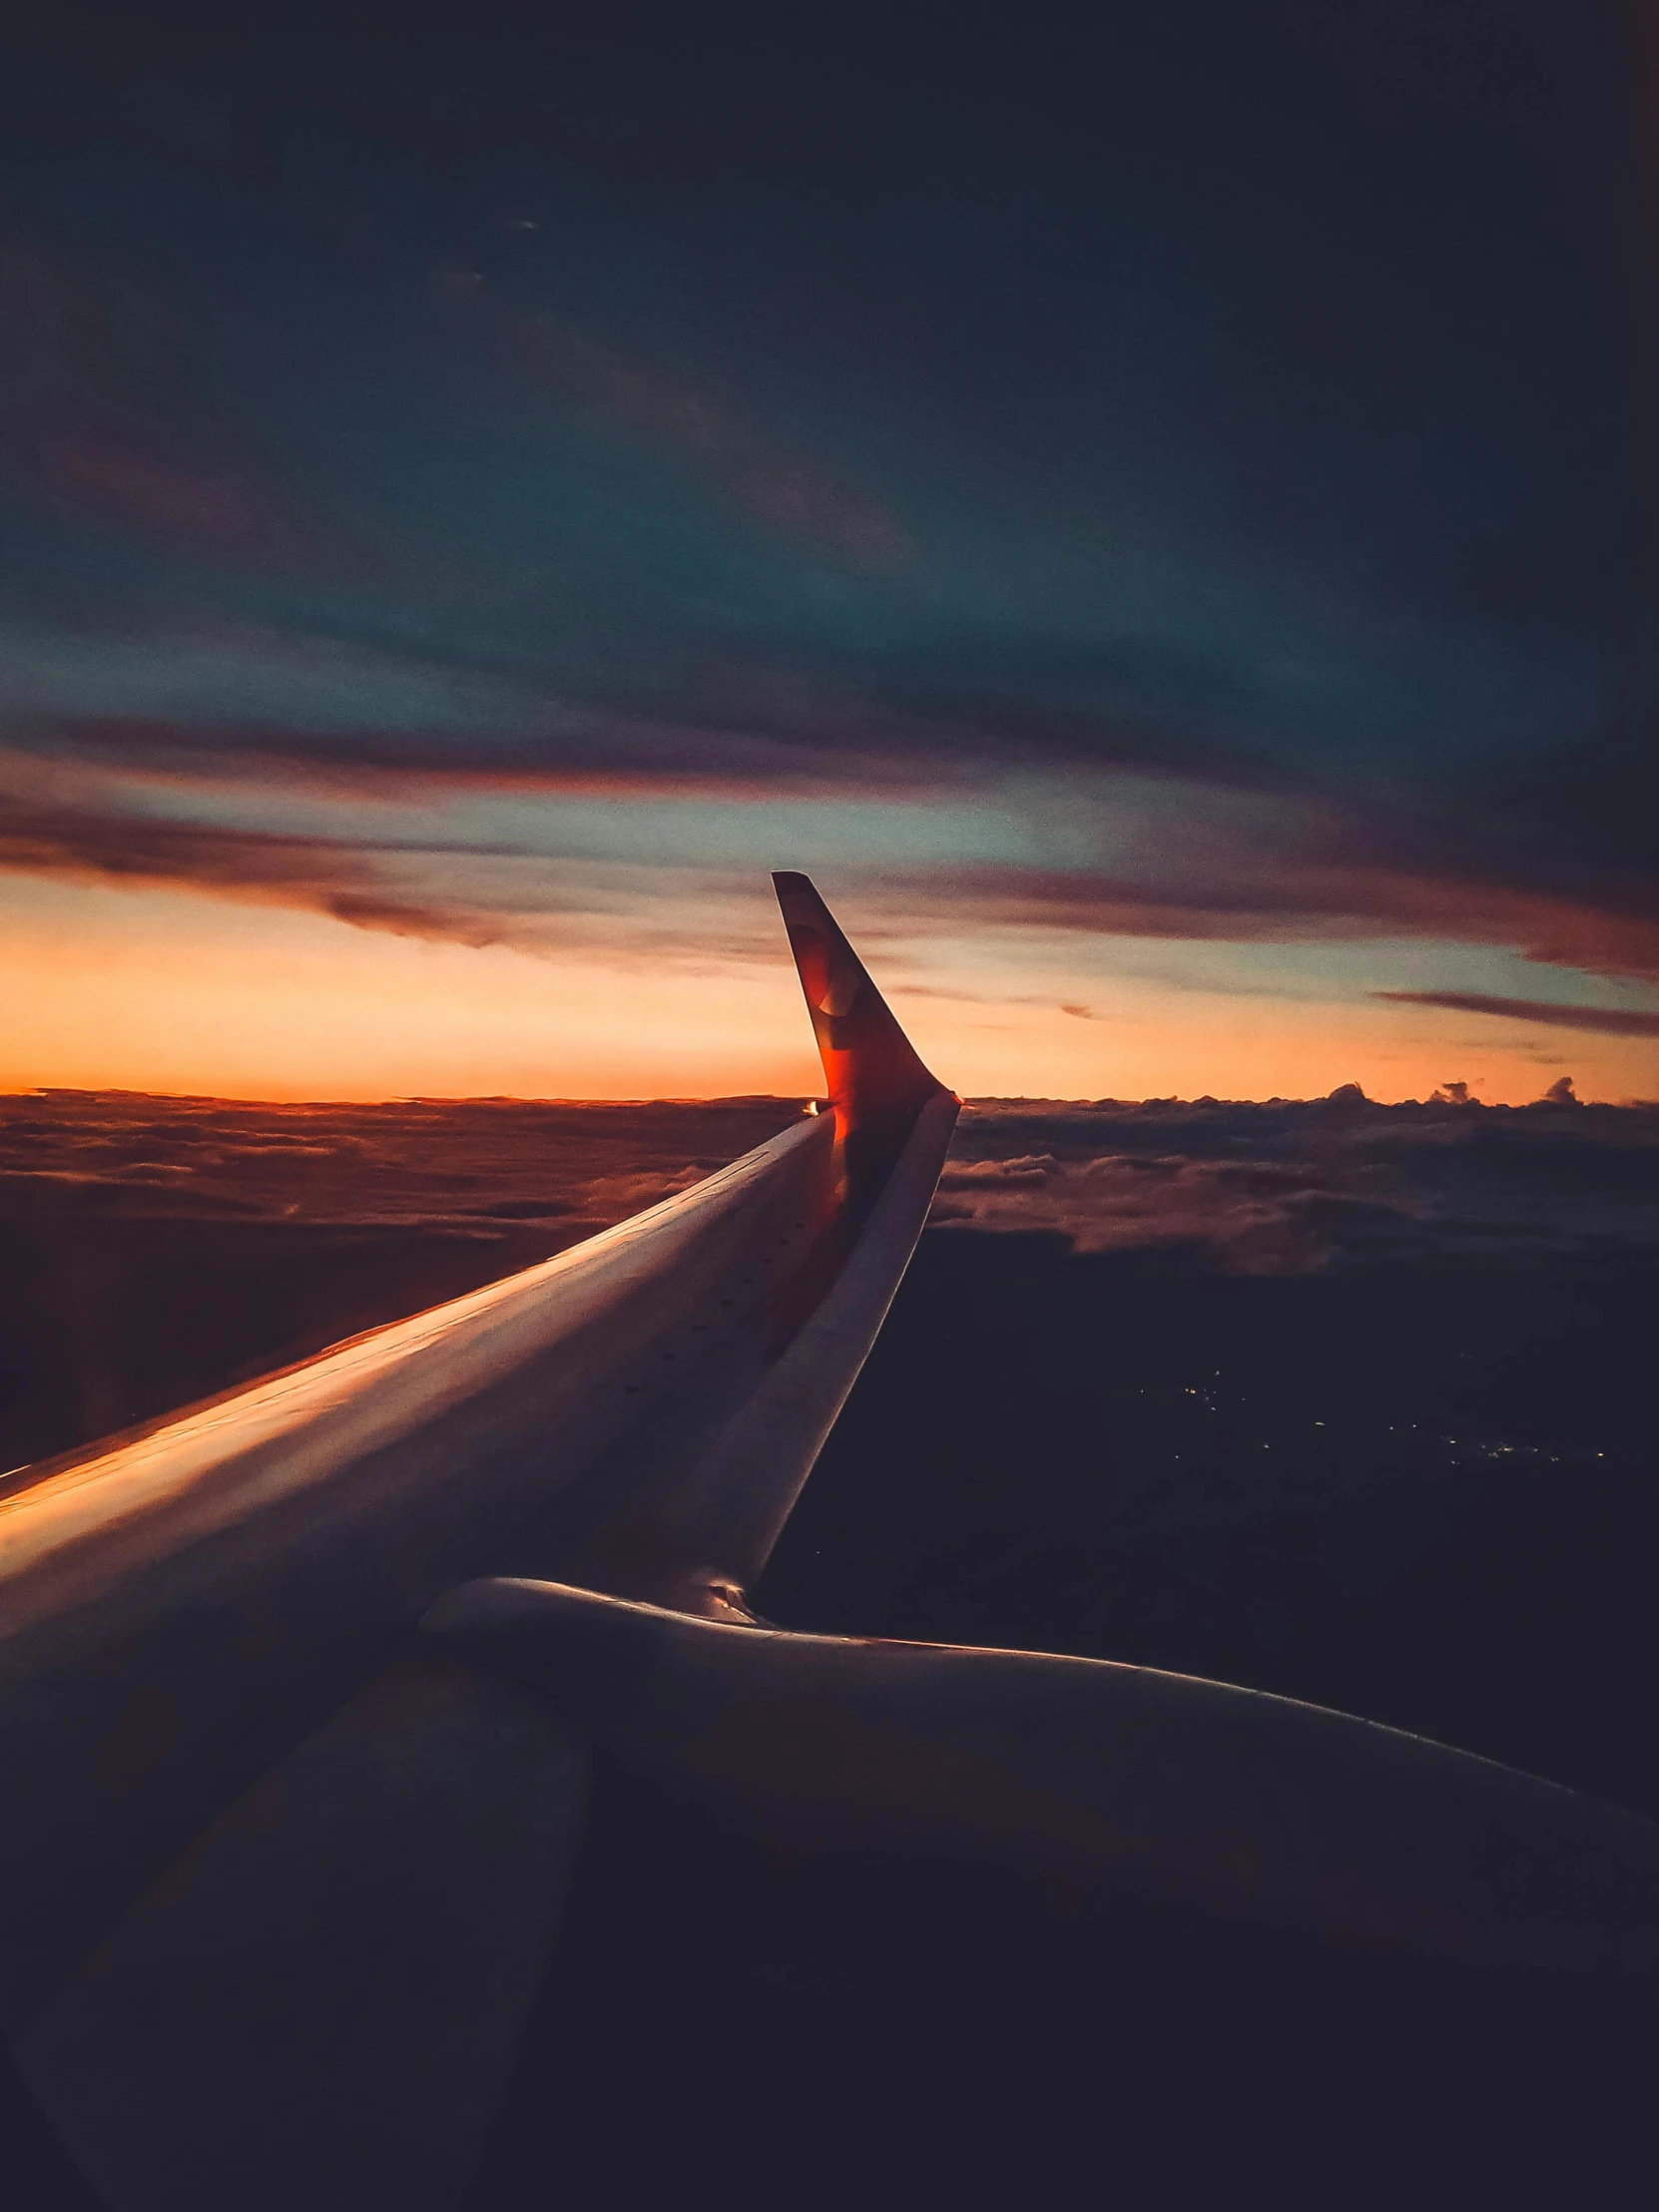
146, 990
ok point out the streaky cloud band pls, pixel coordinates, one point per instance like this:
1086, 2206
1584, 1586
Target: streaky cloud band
1606, 1021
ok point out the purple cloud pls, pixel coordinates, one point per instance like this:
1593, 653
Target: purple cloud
1606, 1021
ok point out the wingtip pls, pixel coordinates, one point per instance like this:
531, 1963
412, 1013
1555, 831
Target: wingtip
872, 1071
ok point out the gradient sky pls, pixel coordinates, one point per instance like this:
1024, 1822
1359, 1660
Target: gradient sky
1153, 507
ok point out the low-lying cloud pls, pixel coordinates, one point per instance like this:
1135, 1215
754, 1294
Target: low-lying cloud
1294, 1187
1291, 1187
469, 1164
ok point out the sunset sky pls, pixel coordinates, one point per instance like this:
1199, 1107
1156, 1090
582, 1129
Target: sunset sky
1152, 507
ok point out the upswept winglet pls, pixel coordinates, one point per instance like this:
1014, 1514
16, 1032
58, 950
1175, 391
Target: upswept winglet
862, 1216
874, 1078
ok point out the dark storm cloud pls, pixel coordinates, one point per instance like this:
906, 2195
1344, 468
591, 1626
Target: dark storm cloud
1607, 1021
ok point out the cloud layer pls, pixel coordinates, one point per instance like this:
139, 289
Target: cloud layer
1294, 1188
1284, 1188
480, 1166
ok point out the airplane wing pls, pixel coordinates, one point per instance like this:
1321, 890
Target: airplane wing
299, 1687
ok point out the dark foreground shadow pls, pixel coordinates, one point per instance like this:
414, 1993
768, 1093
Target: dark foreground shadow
818, 2030
36, 2172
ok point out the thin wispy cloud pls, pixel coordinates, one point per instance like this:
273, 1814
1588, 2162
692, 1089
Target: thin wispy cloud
1606, 1021
787, 492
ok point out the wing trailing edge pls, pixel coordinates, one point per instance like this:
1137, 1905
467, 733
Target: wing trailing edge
1089, 1773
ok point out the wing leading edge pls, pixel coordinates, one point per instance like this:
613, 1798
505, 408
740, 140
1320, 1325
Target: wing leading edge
217, 1740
